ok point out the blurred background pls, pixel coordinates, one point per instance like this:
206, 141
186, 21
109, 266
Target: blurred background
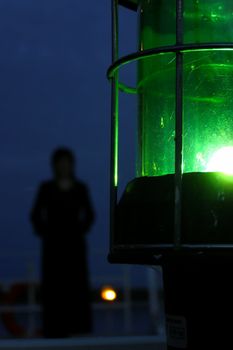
53, 91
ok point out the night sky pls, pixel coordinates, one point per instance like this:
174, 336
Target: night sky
53, 91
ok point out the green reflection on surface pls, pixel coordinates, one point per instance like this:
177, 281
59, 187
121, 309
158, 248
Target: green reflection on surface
116, 136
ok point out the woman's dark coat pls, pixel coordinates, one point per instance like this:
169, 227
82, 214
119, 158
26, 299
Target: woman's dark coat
61, 219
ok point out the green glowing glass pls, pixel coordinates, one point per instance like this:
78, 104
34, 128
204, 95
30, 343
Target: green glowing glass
208, 89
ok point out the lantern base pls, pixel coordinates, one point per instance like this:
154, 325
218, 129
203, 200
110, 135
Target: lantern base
145, 217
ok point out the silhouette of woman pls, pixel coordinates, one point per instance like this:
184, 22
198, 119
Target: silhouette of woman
61, 216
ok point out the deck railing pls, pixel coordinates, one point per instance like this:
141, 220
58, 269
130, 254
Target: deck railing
126, 304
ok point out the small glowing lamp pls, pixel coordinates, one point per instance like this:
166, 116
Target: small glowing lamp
222, 161
108, 294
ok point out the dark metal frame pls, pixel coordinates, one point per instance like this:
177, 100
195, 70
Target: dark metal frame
114, 122
162, 50
112, 74
130, 4
178, 125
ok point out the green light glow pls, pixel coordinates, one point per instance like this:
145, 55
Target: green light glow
116, 150
208, 88
221, 161
115, 126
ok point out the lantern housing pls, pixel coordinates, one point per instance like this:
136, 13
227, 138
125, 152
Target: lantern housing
181, 200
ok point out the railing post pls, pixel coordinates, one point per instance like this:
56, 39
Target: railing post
31, 300
127, 300
155, 305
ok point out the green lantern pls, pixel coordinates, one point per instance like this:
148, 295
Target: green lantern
183, 195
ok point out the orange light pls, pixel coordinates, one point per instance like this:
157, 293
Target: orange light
108, 294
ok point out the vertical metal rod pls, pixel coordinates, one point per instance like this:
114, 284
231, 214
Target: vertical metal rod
31, 300
114, 123
153, 298
140, 137
179, 124
127, 300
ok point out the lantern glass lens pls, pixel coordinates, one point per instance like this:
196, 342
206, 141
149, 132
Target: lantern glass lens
207, 93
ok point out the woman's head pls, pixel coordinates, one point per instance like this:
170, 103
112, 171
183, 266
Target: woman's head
63, 163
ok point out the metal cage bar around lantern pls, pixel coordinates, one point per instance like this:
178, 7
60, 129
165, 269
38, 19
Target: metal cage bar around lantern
179, 49
114, 122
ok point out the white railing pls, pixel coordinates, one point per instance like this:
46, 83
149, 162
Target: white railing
126, 305
95, 343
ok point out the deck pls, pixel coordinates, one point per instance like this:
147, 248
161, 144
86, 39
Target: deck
92, 343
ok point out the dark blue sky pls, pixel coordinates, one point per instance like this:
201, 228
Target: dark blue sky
53, 91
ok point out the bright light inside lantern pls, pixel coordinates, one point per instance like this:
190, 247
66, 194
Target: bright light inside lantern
221, 161
108, 294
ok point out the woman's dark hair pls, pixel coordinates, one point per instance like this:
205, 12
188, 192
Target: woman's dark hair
61, 153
